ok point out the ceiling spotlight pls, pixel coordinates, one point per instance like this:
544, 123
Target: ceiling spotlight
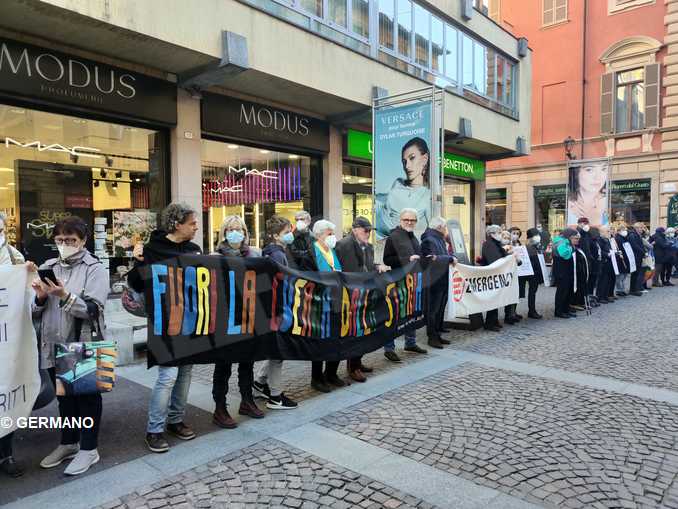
10, 183
232, 146
109, 161
96, 183
74, 158
294, 157
264, 151
137, 179
118, 174
103, 173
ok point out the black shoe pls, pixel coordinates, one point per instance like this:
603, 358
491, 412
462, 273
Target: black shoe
604, 301
281, 402
637, 294
262, 391
510, 321
415, 349
445, 330
335, 380
435, 343
563, 315
321, 386
572, 315
535, 315
10, 467
445, 341
156, 442
493, 328
517, 317
365, 369
392, 356
668, 283
622, 294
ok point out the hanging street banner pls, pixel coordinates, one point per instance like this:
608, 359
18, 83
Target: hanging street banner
207, 308
587, 191
402, 164
19, 376
479, 289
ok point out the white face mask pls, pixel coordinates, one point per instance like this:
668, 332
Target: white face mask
623, 233
536, 239
515, 236
65, 252
302, 226
505, 242
586, 228
331, 241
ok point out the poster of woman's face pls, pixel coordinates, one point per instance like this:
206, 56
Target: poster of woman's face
415, 155
587, 193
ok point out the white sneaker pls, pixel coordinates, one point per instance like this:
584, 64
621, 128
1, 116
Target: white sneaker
59, 455
82, 461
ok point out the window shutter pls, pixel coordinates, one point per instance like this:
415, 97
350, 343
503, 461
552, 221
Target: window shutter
560, 11
494, 10
652, 89
607, 103
548, 13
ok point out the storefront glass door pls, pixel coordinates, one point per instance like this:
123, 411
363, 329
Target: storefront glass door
458, 202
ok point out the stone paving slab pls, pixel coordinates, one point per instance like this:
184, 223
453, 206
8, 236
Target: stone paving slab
269, 474
550, 443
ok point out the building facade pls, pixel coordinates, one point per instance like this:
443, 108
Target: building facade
605, 75
110, 110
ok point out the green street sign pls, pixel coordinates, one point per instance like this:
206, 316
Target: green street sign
359, 146
459, 166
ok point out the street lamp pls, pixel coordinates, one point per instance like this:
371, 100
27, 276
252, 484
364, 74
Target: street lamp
569, 145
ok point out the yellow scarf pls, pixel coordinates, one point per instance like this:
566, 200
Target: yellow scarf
327, 254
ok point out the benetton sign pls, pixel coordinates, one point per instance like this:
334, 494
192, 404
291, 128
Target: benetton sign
30, 72
244, 120
359, 145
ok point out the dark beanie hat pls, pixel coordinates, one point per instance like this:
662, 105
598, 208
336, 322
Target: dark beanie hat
569, 232
532, 232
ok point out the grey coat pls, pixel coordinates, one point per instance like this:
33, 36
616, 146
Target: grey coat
86, 278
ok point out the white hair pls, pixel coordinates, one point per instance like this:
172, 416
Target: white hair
408, 210
323, 225
437, 222
302, 215
493, 228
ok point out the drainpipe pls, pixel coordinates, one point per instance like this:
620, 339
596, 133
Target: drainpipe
583, 78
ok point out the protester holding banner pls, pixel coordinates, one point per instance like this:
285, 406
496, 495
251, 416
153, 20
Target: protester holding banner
587, 192
401, 248
626, 257
61, 307
493, 250
235, 243
513, 236
268, 382
356, 254
301, 247
606, 276
564, 272
434, 249
534, 251
324, 257
178, 224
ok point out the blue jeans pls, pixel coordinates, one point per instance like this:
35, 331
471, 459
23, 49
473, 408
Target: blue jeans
410, 340
169, 396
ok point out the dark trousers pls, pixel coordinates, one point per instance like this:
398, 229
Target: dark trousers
532, 287
437, 300
637, 278
354, 363
222, 374
331, 368
563, 295
6, 446
605, 282
492, 318
593, 282
84, 405
668, 270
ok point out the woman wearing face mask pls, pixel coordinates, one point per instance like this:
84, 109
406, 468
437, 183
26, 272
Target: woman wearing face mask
61, 307
534, 249
579, 299
563, 272
325, 260
510, 315
672, 255
494, 249
410, 191
267, 385
606, 276
234, 244
621, 238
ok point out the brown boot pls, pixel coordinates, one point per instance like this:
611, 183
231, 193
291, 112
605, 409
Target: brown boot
222, 418
250, 408
357, 375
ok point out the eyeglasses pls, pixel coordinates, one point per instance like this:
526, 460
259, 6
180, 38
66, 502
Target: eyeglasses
68, 242
410, 221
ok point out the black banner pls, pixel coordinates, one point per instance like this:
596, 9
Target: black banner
205, 308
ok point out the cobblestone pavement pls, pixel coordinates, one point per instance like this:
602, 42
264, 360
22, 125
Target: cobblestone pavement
550, 443
634, 339
269, 474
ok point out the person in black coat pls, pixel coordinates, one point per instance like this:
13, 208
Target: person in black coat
563, 271
401, 248
621, 239
606, 276
662, 251
534, 249
356, 254
589, 245
639, 252
435, 253
492, 251
300, 249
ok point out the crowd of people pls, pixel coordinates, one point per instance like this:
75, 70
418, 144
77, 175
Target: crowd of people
591, 266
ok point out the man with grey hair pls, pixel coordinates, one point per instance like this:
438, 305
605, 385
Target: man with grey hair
401, 248
435, 251
301, 246
178, 225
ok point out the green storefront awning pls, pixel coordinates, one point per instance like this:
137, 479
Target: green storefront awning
359, 146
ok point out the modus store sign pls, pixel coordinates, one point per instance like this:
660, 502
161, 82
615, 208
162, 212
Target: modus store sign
37, 73
244, 120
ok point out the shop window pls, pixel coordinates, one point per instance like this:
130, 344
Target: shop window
253, 183
55, 166
554, 11
458, 203
631, 200
495, 207
437, 43
550, 207
360, 17
422, 35
451, 52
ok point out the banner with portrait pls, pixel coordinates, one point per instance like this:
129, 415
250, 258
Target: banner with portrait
402, 164
588, 191
207, 308
19, 376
